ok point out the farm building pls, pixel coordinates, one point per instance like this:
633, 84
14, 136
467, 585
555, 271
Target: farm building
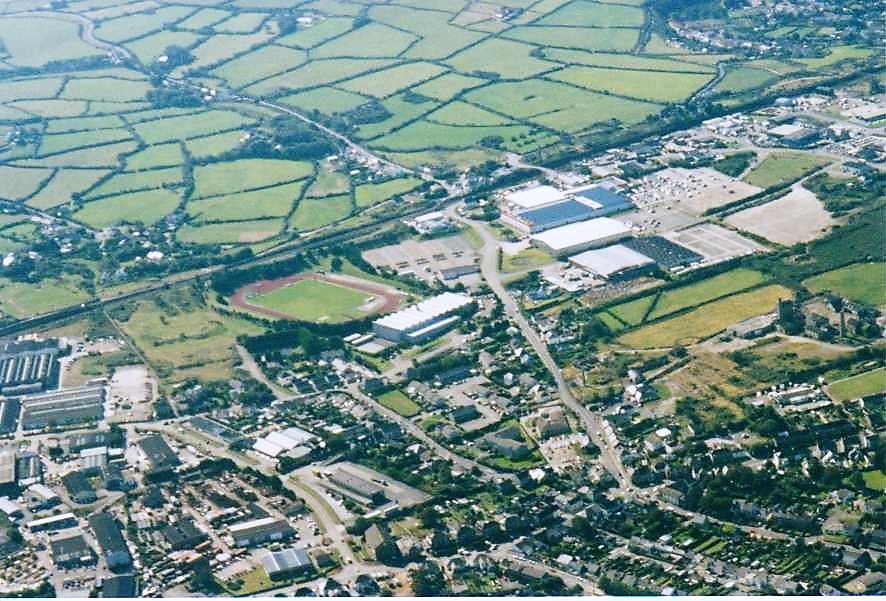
616, 262
424, 320
63, 407
255, 532
576, 237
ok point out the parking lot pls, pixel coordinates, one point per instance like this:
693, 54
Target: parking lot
425, 259
715, 243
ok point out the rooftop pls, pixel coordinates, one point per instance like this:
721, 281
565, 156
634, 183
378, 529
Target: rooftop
611, 260
584, 231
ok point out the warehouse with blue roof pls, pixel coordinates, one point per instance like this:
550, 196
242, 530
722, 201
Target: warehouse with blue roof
589, 203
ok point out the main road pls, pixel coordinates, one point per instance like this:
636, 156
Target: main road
610, 457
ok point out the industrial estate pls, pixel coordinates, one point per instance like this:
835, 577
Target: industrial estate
442, 298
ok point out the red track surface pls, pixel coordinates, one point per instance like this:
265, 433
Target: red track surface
240, 299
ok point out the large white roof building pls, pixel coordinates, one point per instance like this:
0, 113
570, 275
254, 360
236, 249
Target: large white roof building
612, 261
536, 196
577, 237
422, 320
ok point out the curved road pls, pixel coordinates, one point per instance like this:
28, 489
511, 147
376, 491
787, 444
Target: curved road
610, 456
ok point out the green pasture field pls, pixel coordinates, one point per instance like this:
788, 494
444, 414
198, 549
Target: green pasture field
147, 207
396, 401
445, 159
160, 155
28, 89
231, 232
581, 13
875, 480
106, 155
182, 337
314, 301
63, 185
783, 168
862, 385
372, 40
632, 312
319, 33
61, 126
190, 126
622, 62
142, 180
59, 143
313, 213
327, 100
836, 55
241, 23
559, 106
214, 145
439, 38
862, 282
654, 86
267, 202
742, 79
259, 64
52, 107
382, 84
318, 73
206, 17
707, 320
222, 47
508, 58
154, 114
592, 40
35, 42
432, 136
19, 183
246, 174
461, 113
22, 300
136, 26
401, 111
529, 259
149, 48
98, 107
369, 194
447, 86
329, 182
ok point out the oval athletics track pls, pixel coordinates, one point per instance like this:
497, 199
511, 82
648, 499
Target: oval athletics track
390, 298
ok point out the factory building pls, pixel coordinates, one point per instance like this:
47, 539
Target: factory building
7, 466
110, 539
424, 320
584, 204
79, 488
28, 469
53, 522
41, 496
360, 489
287, 563
94, 459
615, 263
71, 552
534, 197
278, 443
9, 412
255, 532
576, 237
28, 366
156, 454
62, 407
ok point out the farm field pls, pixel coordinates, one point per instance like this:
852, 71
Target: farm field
862, 385
783, 168
658, 305
862, 282
707, 320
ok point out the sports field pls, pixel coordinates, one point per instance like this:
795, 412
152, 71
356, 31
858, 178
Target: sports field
316, 298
